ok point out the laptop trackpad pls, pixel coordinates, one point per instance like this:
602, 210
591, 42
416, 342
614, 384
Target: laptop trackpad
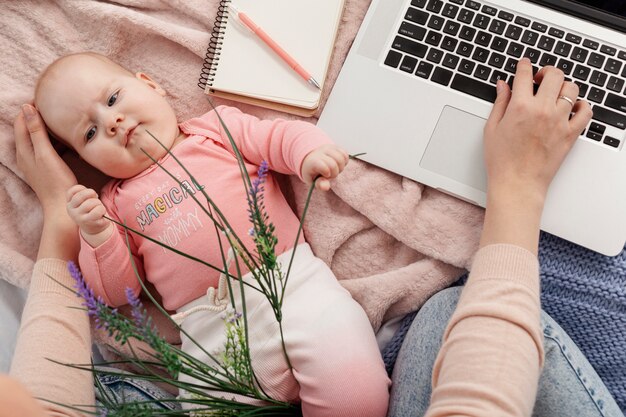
455, 149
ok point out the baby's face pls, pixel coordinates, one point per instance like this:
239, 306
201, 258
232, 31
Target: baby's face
104, 113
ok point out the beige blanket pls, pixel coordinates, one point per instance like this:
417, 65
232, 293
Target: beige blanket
390, 241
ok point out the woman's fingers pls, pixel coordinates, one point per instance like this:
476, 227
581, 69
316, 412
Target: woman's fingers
550, 80
582, 115
523, 82
567, 97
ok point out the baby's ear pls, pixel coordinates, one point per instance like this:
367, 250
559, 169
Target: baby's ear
151, 83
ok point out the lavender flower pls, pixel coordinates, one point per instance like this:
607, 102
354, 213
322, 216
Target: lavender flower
137, 311
258, 182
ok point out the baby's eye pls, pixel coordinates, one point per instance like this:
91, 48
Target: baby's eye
90, 133
112, 99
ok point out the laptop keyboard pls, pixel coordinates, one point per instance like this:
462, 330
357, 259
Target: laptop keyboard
468, 46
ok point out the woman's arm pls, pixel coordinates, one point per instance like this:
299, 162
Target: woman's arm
52, 327
492, 354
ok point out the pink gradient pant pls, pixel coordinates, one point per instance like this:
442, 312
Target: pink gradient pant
338, 370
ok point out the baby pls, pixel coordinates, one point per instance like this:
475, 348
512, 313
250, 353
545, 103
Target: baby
104, 112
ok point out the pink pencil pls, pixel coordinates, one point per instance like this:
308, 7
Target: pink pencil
243, 18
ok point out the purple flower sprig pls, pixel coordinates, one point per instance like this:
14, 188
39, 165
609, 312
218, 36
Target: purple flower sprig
104, 316
262, 230
149, 333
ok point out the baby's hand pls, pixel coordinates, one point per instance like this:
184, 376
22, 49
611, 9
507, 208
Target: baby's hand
327, 161
87, 211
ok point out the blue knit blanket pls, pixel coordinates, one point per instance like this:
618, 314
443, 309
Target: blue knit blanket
585, 293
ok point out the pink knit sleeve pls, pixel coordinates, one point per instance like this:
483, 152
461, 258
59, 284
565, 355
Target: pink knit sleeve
54, 327
492, 354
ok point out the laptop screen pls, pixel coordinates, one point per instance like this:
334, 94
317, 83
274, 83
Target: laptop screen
610, 13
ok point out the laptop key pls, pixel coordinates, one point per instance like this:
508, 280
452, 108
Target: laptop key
513, 32
418, 3
598, 78
522, 21
436, 22
505, 15
434, 55
412, 31
611, 141
467, 33
483, 38
482, 21
515, 49
491, 11
609, 50
424, 69
615, 84
393, 58
433, 38
499, 44
497, 26
441, 76
570, 37
496, 76
529, 37
609, 117
565, 66
539, 26
448, 43
450, 11
557, 33
482, 72
472, 4
595, 60
408, 64
588, 43
434, 6
581, 72
562, 48
416, 16
464, 49
579, 54
622, 55
480, 54
450, 61
511, 65
616, 102
474, 87
496, 60
465, 16
612, 65
451, 27
467, 66
532, 54
409, 46
547, 59
546, 43
597, 127
596, 95
582, 89
594, 136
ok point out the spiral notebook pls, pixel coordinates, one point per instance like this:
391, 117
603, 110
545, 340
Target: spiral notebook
239, 66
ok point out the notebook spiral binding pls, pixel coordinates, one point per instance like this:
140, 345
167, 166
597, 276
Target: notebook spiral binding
214, 49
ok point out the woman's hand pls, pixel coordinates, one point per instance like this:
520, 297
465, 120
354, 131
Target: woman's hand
50, 178
527, 137
44, 170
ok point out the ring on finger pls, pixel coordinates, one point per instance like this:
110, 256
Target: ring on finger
569, 100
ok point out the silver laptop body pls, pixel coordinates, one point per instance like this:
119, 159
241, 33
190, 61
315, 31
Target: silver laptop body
427, 127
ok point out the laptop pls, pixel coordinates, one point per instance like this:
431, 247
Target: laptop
419, 83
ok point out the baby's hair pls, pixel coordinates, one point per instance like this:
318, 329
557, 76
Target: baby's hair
56, 65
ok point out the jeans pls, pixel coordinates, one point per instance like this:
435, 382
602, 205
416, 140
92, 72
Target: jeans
121, 390
568, 385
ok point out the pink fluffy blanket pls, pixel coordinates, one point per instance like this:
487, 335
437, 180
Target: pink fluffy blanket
391, 242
